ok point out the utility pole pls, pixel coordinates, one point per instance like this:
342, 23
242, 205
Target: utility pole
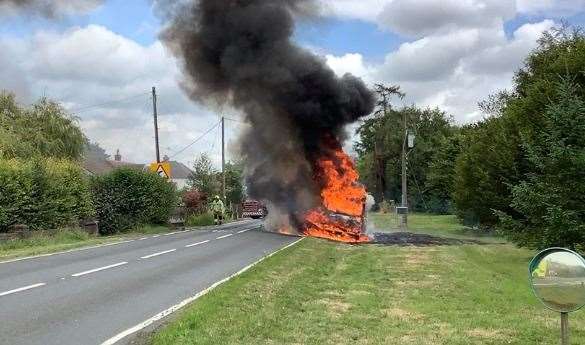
155, 114
223, 157
404, 219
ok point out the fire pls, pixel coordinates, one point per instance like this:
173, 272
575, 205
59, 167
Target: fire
341, 215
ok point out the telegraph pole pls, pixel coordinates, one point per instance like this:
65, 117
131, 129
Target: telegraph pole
223, 157
155, 114
404, 219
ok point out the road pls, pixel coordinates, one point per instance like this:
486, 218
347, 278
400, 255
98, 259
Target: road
89, 296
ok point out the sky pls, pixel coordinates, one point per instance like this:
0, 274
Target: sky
101, 60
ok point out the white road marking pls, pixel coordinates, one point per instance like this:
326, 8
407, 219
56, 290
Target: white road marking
242, 231
172, 233
157, 254
182, 304
196, 244
66, 251
22, 289
99, 269
155, 236
143, 238
224, 236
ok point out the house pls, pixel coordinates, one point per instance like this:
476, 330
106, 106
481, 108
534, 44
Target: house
180, 173
96, 165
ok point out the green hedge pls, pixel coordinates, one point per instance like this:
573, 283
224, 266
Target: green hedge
43, 194
126, 198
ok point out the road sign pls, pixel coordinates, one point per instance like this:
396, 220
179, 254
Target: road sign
162, 169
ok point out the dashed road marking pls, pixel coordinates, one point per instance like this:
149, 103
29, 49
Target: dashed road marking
113, 340
22, 289
157, 254
155, 236
224, 236
99, 269
196, 244
242, 231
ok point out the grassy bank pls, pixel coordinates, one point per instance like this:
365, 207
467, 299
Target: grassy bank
320, 292
44, 243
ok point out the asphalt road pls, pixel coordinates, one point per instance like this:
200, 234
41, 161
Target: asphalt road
89, 296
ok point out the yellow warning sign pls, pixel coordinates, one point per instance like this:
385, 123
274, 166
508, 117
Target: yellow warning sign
162, 169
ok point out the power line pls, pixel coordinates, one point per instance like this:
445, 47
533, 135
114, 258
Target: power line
82, 109
196, 140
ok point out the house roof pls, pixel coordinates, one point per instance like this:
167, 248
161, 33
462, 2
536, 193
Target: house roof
100, 166
180, 171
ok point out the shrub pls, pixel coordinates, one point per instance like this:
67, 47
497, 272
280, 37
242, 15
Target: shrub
194, 201
43, 194
204, 219
126, 198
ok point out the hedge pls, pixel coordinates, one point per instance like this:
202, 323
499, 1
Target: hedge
43, 194
127, 198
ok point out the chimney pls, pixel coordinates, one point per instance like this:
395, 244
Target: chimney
166, 158
118, 157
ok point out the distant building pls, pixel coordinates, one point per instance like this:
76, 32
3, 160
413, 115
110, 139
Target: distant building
180, 173
95, 165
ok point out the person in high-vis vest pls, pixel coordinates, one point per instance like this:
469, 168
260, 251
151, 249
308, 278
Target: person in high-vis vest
218, 209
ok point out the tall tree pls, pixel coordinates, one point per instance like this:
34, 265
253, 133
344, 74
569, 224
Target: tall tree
551, 201
205, 177
43, 130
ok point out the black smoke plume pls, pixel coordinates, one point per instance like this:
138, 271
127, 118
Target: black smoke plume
47, 8
240, 53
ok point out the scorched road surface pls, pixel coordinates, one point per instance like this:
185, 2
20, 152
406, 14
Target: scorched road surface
89, 296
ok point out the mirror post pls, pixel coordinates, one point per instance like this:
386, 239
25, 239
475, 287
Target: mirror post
565, 328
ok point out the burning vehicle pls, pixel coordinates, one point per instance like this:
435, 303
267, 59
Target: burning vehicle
240, 54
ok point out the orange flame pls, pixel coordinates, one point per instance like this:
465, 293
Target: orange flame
341, 215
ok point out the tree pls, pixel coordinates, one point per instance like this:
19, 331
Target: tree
380, 143
43, 130
494, 159
234, 183
204, 178
551, 201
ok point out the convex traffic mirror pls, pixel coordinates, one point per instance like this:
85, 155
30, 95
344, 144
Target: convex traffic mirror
558, 279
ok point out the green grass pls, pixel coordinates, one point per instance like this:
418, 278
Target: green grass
320, 292
439, 225
62, 240
205, 219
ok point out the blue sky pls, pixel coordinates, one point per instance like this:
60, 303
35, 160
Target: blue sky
449, 54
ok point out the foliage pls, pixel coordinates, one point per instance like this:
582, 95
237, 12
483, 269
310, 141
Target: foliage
551, 201
43, 130
204, 219
380, 147
43, 194
496, 164
485, 171
208, 181
194, 201
126, 198
205, 178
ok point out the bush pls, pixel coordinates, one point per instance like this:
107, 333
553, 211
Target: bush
126, 198
194, 201
204, 219
43, 194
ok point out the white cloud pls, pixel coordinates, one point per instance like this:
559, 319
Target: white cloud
91, 65
423, 17
453, 70
349, 63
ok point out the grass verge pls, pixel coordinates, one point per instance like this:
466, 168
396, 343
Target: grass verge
62, 240
439, 225
321, 292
